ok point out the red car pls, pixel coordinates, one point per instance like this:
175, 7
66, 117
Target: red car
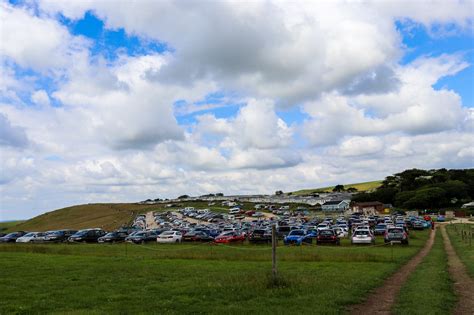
229, 237
249, 213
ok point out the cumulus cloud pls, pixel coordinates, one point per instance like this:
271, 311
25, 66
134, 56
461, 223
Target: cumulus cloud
113, 134
34, 42
11, 135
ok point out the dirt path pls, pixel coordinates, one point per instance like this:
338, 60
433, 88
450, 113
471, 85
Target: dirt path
382, 299
463, 283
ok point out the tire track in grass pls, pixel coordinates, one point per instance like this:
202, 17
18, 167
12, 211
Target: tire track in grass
383, 298
463, 283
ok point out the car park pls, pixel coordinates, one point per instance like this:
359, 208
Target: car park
29, 237
380, 229
297, 237
57, 236
327, 236
396, 235
170, 237
230, 237
12, 237
362, 236
260, 236
113, 237
86, 236
197, 236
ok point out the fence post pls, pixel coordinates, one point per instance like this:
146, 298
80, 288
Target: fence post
274, 243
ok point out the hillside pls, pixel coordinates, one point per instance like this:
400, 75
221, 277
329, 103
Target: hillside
366, 186
108, 216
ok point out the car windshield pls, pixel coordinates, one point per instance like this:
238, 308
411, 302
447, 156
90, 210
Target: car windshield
30, 234
362, 232
380, 226
13, 234
82, 232
297, 232
167, 233
326, 233
259, 232
395, 231
140, 234
56, 233
111, 234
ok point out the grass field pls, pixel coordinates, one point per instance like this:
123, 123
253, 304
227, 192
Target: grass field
360, 187
8, 224
106, 216
463, 247
429, 290
192, 278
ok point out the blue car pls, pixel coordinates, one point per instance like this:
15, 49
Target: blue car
298, 237
441, 218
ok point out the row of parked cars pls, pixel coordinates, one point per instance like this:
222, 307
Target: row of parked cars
174, 227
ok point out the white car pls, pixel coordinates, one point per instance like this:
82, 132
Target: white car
362, 237
29, 237
170, 237
234, 211
341, 232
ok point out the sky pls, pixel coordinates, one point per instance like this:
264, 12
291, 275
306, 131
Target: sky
121, 101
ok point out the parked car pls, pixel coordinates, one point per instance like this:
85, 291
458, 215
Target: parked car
197, 236
297, 237
327, 236
29, 237
362, 236
142, 237
396, 235
113, 237
12, 237
170, 237
441, 218
230, 237
380, 229
418, 225
260, 236
58, 236
87, 236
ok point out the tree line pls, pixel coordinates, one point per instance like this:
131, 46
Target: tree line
424, 189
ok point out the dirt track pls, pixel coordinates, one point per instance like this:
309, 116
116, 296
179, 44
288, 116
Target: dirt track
463, 283
382, 299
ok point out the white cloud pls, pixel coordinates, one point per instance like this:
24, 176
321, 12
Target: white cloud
40, 97
34, 42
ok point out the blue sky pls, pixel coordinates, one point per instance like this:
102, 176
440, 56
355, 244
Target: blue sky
101, 102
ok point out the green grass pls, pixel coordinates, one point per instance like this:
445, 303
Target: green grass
106, 216
9, 224
186, 278
464, 249
360, 187
429, 290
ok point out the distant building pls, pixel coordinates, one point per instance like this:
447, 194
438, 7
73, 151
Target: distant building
335, 205
371, 207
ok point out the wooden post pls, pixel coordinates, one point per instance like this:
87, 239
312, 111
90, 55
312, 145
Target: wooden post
274, 244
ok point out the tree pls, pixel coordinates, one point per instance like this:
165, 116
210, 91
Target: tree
183, 197
278, 192
352, 189
338, 188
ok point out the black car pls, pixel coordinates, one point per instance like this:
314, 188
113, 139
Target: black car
11, 237
197, 236
58, 236
87, 236
142, 237
327, 236
113, 237
260, 236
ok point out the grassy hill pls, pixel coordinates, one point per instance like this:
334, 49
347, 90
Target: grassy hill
108, 216
367, 186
